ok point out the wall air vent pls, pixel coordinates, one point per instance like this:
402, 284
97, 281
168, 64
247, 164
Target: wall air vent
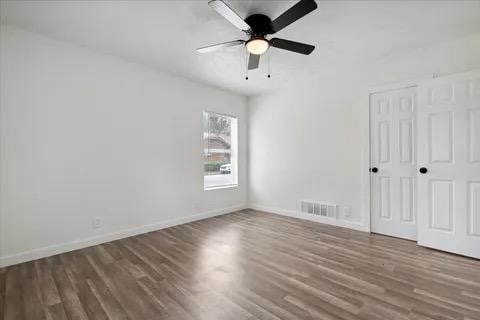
319, 208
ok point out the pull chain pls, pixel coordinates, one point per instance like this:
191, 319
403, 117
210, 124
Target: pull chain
268, 61
246, 64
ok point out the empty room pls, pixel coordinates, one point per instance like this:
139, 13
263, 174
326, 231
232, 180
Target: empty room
239, 160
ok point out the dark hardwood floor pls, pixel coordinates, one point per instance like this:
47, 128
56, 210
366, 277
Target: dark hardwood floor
245, 265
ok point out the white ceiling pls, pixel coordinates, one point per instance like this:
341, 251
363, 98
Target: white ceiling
164, 34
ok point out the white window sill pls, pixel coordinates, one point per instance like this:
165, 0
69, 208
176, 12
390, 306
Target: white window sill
228, 186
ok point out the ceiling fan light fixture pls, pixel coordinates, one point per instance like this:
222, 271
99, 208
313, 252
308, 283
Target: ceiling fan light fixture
257, 46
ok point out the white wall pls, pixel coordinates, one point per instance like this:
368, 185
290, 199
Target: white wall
86, 135
304, 147
311, 142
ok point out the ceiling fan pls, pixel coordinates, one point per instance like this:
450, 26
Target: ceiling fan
258, 26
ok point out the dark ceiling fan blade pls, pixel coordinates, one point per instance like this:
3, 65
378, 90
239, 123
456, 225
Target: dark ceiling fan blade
220, 46
299, 10
292, 46
223, 9
253, 61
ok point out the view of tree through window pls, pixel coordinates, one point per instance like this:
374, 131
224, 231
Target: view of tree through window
219, 138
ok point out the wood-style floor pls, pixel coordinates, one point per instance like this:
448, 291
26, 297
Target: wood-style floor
245, 265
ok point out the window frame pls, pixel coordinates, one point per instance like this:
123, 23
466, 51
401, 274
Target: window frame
234, 144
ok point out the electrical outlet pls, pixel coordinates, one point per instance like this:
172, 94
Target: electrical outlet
97, 222
347, 211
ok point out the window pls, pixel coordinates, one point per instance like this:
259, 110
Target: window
220, 139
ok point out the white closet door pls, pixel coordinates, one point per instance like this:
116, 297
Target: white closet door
393, 163
449, 149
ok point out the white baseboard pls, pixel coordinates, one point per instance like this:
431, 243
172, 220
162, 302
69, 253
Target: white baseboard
91, 241
359, 226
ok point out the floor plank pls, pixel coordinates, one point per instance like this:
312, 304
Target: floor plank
246, 265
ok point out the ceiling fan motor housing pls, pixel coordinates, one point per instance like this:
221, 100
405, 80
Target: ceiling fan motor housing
260, 25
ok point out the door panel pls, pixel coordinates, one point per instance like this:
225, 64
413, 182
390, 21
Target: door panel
448, 146
385, 198
474, 208
474, 136
440, 130
441, 206
393, 152
407, 199
384, 141
406, 141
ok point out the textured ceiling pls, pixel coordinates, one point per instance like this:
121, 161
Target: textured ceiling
164, 34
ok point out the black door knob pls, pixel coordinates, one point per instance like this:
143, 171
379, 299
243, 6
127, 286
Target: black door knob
423, 170
374, 169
